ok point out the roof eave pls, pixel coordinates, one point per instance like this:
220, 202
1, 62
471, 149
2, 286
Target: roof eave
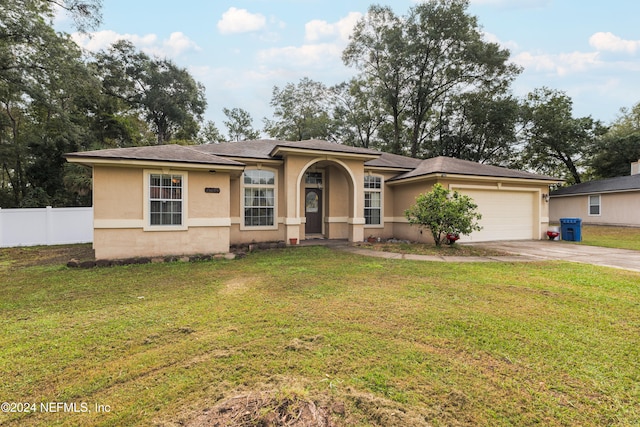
587, 193
123, 162
441, 175
387, 169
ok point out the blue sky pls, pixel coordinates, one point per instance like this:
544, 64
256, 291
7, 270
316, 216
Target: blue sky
240, 50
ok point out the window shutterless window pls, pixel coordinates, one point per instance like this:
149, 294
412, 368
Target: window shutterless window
372, 200
165, 199
259, 198
594, 205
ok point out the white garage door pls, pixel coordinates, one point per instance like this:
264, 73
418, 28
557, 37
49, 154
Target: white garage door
506, 215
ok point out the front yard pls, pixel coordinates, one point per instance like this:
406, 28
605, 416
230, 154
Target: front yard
611, 237
367, 341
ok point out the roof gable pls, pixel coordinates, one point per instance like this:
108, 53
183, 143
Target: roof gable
320, 145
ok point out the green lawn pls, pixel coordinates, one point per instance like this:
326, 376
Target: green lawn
611, 237
391, 342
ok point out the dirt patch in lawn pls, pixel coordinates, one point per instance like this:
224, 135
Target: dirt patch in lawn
12, 258
297, 408
264, 409
268, 409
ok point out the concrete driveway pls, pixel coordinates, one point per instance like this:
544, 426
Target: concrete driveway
559, 250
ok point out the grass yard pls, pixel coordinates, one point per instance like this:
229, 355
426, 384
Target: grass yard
611, 237
367, 341
431, 249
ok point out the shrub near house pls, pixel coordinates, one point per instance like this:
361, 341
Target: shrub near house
446, 214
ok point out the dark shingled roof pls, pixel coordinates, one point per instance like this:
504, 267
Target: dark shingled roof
222, 154
622, 183
450, 165
265, 148
257, 149
158, 153
388, 160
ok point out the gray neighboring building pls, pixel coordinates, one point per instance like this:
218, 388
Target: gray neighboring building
613, 201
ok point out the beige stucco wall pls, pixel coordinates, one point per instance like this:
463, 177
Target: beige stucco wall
404, 197
212, 221
615, 209
336, 196
122, 231
135, 242
117, 193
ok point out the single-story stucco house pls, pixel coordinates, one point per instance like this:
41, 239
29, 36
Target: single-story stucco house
172, 199
612, 201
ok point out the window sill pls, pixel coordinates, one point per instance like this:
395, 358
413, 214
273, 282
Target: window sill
166, 228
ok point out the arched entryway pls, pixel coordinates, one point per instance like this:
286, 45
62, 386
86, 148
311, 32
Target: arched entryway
327, 195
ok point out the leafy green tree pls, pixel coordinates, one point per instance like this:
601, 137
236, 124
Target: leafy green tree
415, 62
619, 147
357, 114
240, 125
209, 133
477, 126
443, 212
555, 142
45, 92
86, 14
59, 123
165, 95
302, 112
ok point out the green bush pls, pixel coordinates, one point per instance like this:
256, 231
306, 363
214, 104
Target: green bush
444, 212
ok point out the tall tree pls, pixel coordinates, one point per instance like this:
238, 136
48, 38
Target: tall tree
239, 124
209, 133
165, 95
357, 114
477, 126
44, 88
86, 14
619, 147
417, 61
302, 112
555, 142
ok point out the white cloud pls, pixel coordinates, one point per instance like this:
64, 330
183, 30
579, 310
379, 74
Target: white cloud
609, 42
236, 20
492, 38
305, 55
317, 29
176, 44
559, 64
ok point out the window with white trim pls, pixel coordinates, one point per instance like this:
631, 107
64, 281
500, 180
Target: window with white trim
165, 199
259, 201
594, 205
372, 200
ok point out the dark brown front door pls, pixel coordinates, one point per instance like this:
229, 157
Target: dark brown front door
313, 211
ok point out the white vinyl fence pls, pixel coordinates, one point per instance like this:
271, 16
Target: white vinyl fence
45, 226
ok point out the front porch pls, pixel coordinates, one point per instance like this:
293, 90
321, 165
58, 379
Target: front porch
325, 198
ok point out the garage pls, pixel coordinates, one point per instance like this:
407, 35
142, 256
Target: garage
506, 215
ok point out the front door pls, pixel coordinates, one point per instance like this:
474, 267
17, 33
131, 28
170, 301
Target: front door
313, 211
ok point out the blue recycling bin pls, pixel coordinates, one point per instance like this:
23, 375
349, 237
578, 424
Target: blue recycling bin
571, 229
